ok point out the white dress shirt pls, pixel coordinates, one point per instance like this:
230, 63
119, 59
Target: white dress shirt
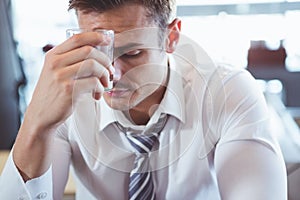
216, 118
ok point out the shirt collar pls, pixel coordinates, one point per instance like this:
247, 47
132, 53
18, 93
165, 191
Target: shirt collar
173, 102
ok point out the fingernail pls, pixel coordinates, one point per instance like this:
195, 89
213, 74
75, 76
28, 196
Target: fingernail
110, 86
96, 96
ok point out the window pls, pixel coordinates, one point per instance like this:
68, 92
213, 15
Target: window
224, 28
36, 24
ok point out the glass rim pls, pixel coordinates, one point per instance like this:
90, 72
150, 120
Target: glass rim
88, 30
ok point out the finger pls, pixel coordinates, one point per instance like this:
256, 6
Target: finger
96, 95
81, 39
85, 69
81, 54
90, 85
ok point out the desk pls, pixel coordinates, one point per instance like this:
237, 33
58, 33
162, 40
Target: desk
3, 158
295, 113
70, 187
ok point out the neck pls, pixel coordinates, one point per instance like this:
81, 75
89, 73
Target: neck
142, 113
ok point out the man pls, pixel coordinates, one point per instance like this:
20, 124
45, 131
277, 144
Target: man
214, 142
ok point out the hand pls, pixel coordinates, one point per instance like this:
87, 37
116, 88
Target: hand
70, 69
73, 68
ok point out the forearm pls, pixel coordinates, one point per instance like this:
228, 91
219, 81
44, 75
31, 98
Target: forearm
32, 149
38, 166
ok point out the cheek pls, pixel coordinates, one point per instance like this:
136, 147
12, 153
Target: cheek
146, 74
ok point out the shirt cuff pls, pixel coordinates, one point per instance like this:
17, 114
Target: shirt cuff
12, 185
41, 187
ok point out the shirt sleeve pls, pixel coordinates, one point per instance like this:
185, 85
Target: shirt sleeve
50, 185
248, 159
242, 113
249, 170
12, 185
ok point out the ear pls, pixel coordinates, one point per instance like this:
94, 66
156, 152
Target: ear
174, 29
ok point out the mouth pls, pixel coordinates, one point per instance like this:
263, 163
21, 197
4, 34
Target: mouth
118, 92
121, 89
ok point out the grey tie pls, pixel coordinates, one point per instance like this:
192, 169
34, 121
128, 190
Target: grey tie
141, 184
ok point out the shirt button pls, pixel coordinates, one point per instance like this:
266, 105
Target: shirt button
42, 195
22, 198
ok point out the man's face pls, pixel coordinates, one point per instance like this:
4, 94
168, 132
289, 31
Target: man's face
140, 62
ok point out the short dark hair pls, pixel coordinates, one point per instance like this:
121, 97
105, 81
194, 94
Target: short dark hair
158, 10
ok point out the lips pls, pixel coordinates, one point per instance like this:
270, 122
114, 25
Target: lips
121, 89
118, 92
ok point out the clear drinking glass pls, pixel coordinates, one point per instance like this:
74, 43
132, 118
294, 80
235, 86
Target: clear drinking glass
106, 49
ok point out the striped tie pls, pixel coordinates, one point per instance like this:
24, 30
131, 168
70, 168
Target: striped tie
141, 184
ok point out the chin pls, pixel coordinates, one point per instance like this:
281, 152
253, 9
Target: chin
121, 103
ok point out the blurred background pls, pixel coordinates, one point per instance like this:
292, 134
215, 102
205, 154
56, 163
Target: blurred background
261, 36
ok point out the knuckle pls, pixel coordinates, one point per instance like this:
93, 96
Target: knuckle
107, 61
87, 50
57, 76
105, 73
76, 39
98, 36
54, 62
91, 63
68, 87
48, 55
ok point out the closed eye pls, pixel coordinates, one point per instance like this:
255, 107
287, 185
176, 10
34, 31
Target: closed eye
133, 53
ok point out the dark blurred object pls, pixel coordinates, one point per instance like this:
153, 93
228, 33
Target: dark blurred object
269, 64
47, 47
12, 79
260, 56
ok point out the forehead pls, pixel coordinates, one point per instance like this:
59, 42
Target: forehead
132, 27
119, 19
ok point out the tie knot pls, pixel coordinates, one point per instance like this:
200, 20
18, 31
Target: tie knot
142, 143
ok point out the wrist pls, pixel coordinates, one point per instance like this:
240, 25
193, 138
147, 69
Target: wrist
34, 127
32, 149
